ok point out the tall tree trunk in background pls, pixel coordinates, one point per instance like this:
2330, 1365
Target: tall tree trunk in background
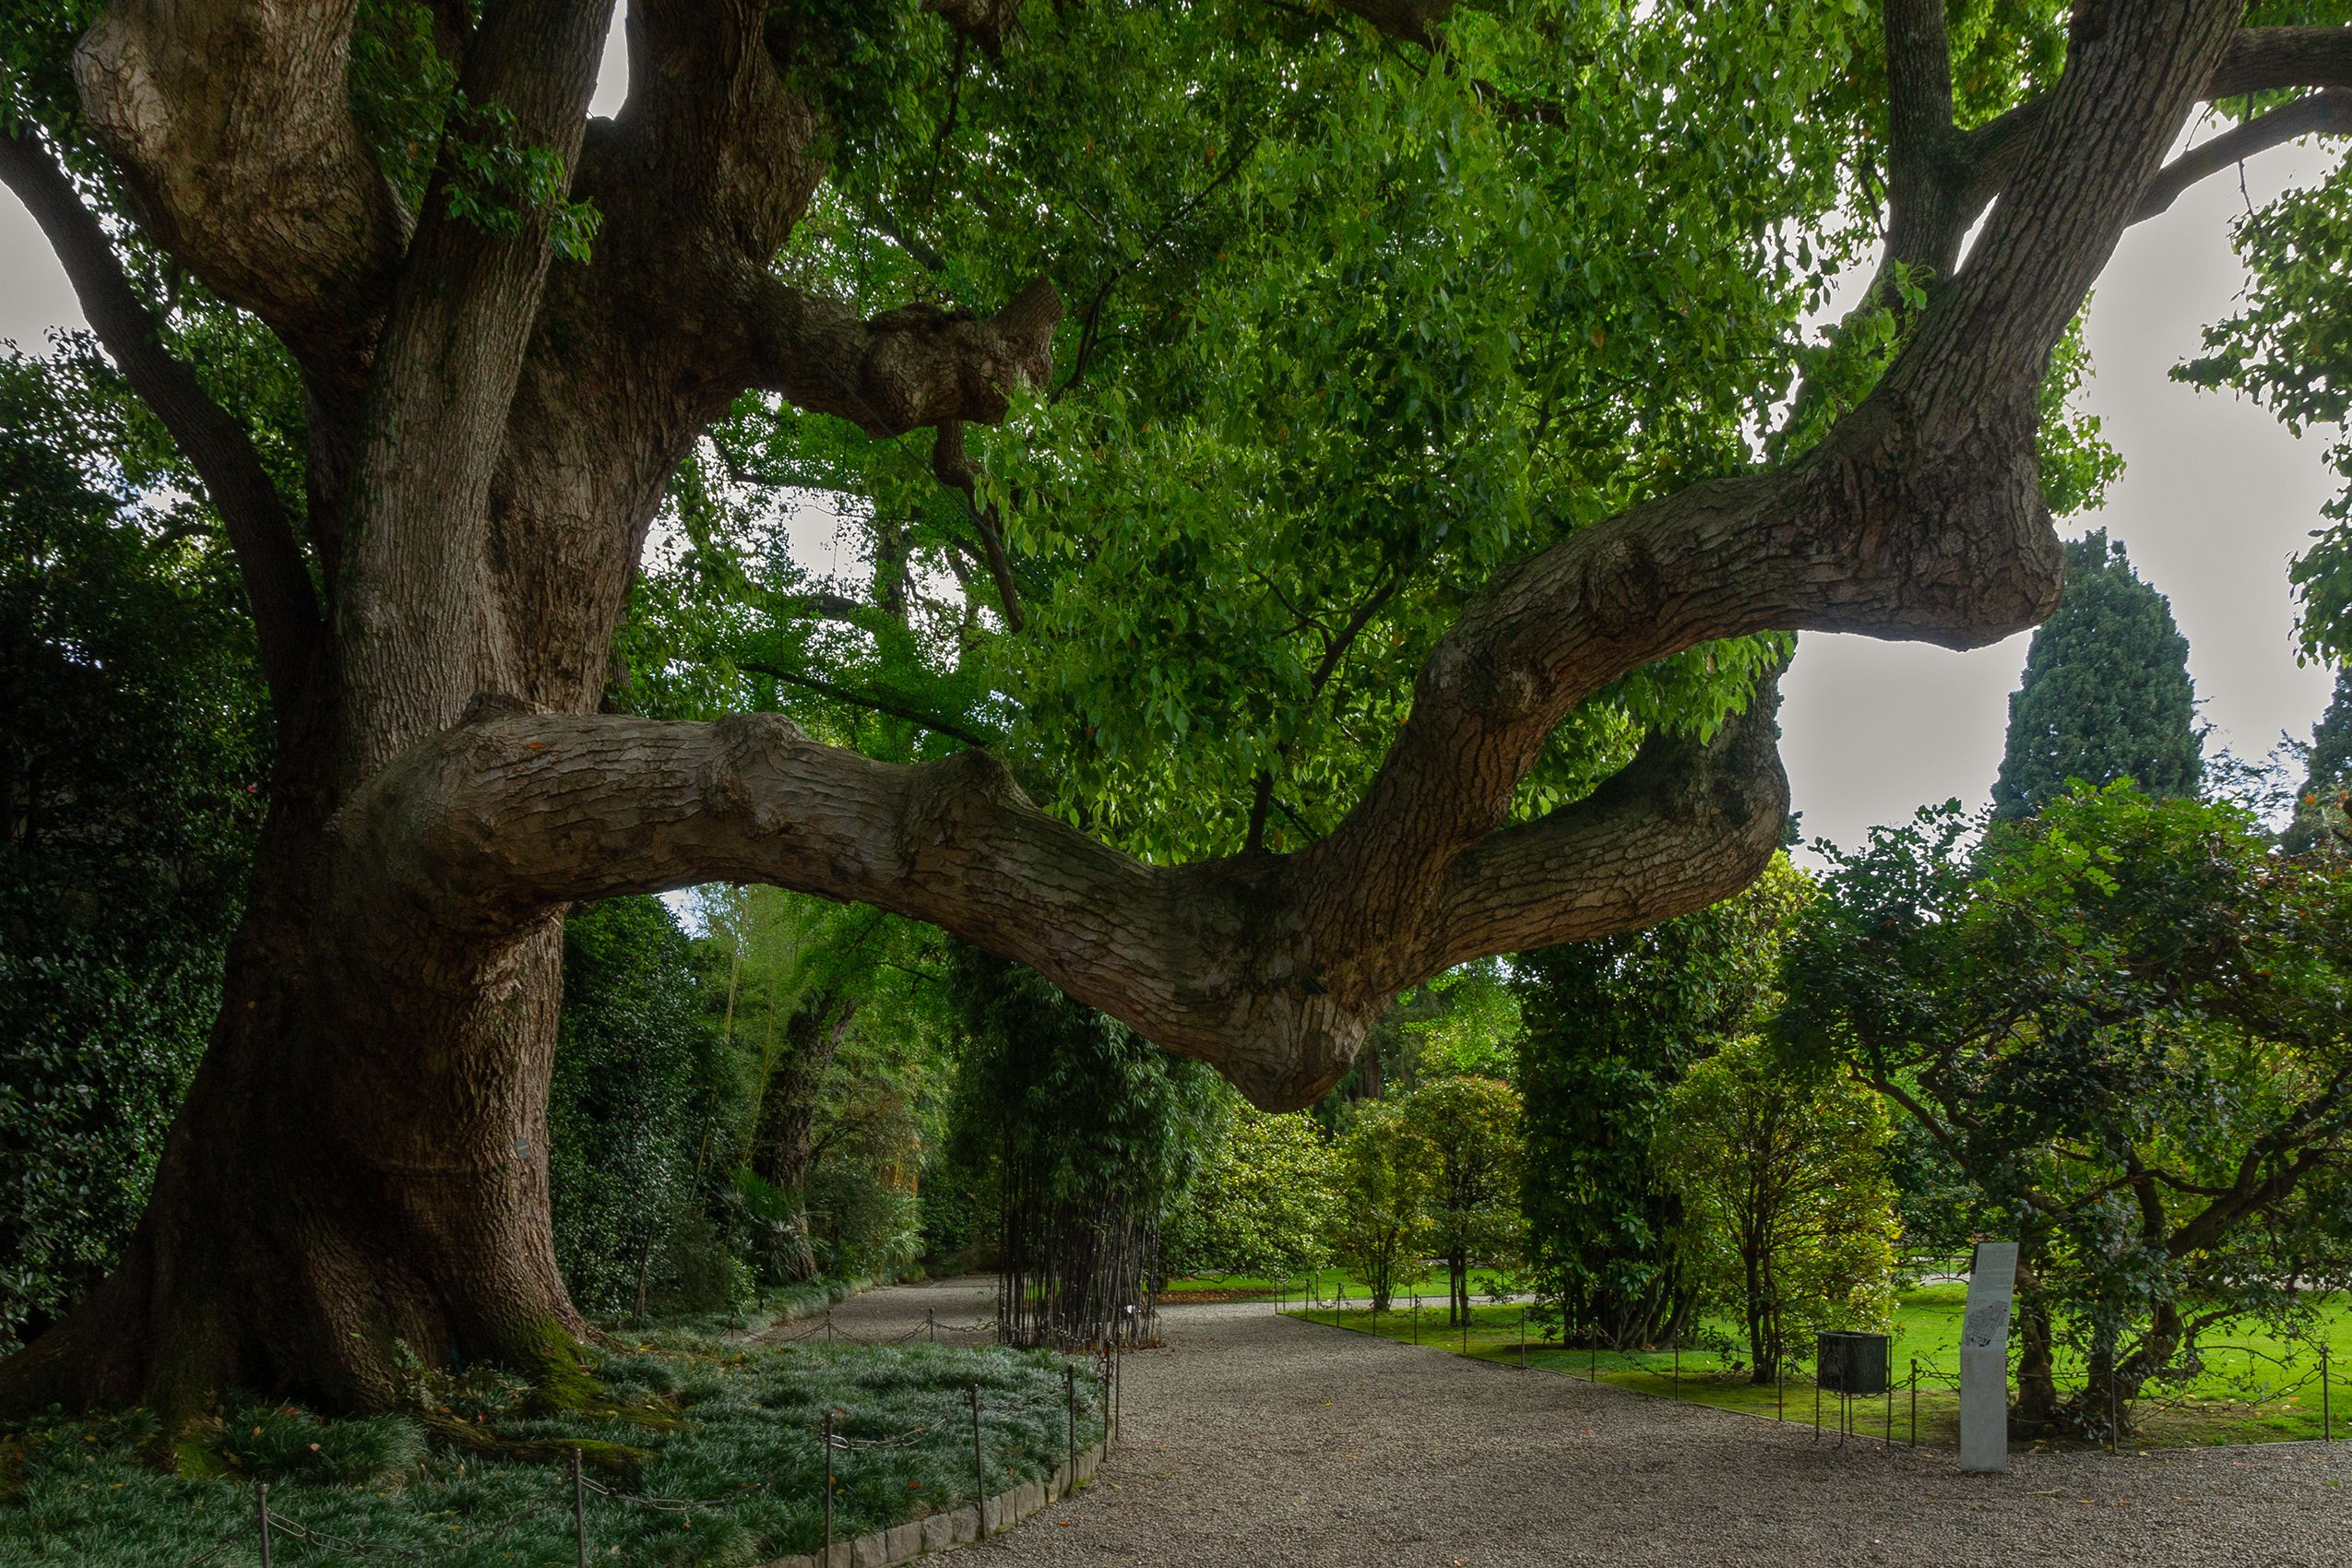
783, 1143
2035, 1410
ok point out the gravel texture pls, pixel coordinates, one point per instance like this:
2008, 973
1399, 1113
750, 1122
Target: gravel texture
1253, 1441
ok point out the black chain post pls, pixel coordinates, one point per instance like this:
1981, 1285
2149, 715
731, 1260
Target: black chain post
1678, 1364
1915, 1401
261, 1510
1780, 1382
1523, 1339
580, 1511
2327, 1423
1070, 1384
1888, 1442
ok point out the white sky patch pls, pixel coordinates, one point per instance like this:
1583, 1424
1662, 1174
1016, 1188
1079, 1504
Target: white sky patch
613, 70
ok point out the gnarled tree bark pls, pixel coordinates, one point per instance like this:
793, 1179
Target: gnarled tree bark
362, 1162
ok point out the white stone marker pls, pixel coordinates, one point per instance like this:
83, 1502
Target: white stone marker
1984, 1359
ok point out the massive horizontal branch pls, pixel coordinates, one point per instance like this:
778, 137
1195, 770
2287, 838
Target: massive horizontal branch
1919, 516
1232, 961
905, 369
277, 585
1667, 835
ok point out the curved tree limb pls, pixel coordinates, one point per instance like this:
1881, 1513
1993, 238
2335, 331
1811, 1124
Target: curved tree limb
905, 369
2325, 112
1659, 840
277, 585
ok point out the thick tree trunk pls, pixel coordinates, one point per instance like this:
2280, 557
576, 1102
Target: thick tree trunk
784, 1144
2036, 1410
359, 1169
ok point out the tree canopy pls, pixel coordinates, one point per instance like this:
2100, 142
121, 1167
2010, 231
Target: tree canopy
1375, 452
2123, 1022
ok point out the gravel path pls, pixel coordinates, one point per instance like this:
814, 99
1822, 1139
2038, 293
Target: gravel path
1253, 1441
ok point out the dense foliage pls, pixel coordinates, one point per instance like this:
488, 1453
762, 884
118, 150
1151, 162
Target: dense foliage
631, 1118
2107, 693
132, 742
1787, 1209
2123, 1023
1611, 1027
1263, 1201
2321, 816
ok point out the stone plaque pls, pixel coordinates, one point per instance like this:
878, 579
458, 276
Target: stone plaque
1984, 1359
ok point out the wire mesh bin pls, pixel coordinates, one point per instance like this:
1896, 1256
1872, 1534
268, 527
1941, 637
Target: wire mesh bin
1854, 1364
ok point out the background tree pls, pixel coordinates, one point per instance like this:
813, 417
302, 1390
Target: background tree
1384, 1181
1087, 1134
2106, 693
133, 741
1468, 1138
1612, 1026
2124, 1021
1787, 1212
2322, 815
641, 1081
1262, 1202
1492, 419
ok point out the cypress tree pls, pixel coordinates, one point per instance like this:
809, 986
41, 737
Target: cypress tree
2324, 806
2106, 693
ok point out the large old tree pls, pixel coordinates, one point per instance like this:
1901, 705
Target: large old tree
512, 324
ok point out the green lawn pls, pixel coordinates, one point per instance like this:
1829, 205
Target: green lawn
2254, 1388
1326, 1284
718, 1444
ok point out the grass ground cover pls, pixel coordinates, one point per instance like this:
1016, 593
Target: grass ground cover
718, 1443
2253, 1387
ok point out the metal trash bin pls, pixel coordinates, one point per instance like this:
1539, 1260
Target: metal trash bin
1854, 1364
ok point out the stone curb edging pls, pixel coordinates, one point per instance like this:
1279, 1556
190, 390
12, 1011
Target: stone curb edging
960, 1527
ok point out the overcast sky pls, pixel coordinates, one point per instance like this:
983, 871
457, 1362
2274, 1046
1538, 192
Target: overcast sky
2215, 496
